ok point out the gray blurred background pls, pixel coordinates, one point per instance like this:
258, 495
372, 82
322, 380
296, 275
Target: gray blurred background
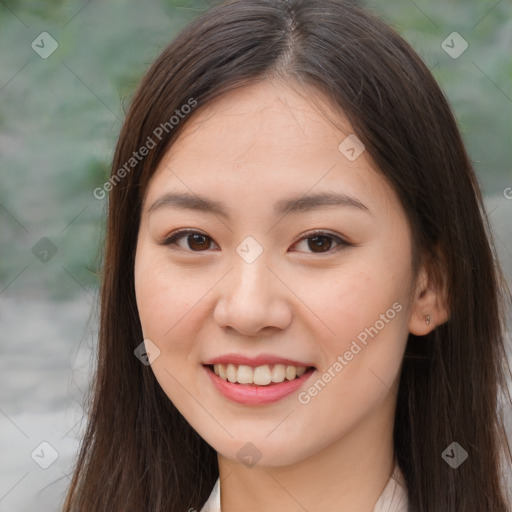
67, 67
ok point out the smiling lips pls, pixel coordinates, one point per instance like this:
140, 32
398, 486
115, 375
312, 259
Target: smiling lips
256, 381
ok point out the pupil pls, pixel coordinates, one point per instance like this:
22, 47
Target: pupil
316, 242
197, 239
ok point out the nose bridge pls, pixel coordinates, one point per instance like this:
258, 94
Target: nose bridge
250, 272
252, 297
251, 278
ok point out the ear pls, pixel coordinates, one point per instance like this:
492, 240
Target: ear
430, 304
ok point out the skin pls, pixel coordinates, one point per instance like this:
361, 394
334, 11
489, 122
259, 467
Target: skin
249, 149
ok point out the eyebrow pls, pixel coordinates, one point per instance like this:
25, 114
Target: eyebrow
282, 207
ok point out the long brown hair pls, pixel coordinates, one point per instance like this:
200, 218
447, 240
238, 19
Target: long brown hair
138, 452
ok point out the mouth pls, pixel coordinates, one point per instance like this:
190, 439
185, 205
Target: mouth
263, 375
257, 385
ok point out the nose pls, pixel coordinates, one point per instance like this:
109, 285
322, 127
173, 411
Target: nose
252, 297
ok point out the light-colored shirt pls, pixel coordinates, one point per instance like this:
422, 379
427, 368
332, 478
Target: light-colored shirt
393, 498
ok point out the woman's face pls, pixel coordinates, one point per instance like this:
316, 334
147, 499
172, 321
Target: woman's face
250, 284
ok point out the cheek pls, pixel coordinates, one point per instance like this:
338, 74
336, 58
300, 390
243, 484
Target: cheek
361, 361
165, 299
364, 306
169, 305
354, 298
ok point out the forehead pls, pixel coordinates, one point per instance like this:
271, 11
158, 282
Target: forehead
269, 140
266, 115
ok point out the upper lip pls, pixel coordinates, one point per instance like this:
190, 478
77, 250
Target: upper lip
260, 360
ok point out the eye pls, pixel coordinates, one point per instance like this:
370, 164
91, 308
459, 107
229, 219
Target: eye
195, 241
318, 242
322, 242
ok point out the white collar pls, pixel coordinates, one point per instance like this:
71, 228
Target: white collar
393, 498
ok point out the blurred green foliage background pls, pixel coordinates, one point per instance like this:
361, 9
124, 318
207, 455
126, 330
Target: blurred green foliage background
60, 116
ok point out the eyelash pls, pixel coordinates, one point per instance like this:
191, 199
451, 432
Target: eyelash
342, 244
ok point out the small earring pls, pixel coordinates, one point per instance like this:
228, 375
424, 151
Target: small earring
427, 319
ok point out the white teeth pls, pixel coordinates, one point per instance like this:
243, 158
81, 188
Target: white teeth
262, 375
259, 375
244, 374
231, 371
291, 372
278, 373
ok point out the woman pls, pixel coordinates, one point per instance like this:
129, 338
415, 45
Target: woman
301, 309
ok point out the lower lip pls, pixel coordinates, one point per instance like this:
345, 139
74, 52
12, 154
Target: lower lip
252, 394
